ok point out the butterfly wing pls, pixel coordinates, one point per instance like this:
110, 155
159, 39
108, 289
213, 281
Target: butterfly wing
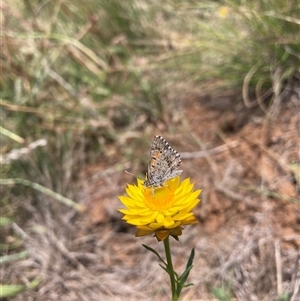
163, 163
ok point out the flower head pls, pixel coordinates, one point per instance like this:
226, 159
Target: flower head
223, 11
161, 211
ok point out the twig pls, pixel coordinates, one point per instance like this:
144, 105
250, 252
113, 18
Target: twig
210, 152
85, 256
296, 290
272, 155
232, 194
16, 154
20, 231
296, 287
212, 164
62, 81
270, 193
64, 251
278, 267
291, 237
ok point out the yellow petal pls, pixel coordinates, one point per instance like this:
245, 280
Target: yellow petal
156, 225
134, 193
168, 222
140, 220
160, 218
175, 224
182, 215
129, 202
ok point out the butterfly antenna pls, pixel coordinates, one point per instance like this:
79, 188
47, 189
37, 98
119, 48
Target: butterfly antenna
129, 173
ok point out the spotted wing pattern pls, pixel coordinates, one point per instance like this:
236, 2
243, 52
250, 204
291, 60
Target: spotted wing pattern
163, 164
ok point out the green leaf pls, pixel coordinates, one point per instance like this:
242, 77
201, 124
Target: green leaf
185, 274
153, 251
188, 284
188, 267
16, 256
5, 221
11, 290
165, 269
221, 294
182, 279
283, 297
191, 258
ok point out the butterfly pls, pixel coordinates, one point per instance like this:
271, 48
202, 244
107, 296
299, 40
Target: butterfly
163, 164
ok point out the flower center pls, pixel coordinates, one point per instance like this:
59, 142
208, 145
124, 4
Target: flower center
158, 198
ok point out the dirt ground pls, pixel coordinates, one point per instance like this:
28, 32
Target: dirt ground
247, 241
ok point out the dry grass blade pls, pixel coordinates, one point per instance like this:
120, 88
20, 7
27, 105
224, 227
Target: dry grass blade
209, 152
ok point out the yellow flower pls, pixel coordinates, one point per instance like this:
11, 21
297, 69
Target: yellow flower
161, 211
223, 11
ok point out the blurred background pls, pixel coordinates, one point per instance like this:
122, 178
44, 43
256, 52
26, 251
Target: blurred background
86, 85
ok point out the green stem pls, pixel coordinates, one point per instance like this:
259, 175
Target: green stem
170, 269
